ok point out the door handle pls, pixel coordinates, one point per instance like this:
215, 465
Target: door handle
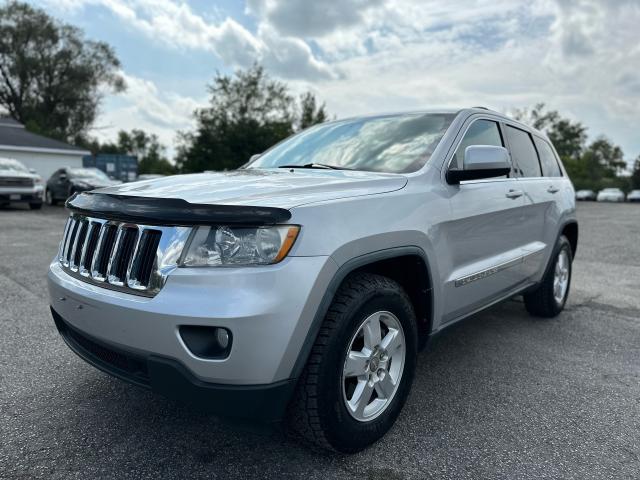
514, 193
553, 189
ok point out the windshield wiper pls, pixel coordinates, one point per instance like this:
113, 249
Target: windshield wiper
323, 166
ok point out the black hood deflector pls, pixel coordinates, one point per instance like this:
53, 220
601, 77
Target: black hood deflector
172, 211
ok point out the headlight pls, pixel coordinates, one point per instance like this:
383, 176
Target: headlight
237, 246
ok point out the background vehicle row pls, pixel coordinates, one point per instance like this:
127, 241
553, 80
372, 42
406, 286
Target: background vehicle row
608, 195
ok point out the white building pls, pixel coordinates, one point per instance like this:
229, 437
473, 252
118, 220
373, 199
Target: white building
43, 154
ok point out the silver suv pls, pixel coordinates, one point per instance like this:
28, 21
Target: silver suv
302, 286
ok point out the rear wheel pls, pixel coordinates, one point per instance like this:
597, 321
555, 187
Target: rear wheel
550, 296
360, 369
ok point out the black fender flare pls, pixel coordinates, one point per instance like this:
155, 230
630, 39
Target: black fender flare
343, 271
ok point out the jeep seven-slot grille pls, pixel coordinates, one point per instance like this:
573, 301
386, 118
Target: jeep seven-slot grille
120, 256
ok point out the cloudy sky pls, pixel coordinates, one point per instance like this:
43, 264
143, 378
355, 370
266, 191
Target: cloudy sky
581, 57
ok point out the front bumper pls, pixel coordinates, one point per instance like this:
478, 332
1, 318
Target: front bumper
171, 379
12, 195
268, 310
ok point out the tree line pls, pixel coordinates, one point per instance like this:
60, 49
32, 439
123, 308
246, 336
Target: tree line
53, 79
591, 165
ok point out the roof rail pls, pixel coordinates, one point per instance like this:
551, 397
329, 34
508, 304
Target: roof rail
483, 108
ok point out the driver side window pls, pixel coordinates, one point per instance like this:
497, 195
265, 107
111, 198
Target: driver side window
481, 132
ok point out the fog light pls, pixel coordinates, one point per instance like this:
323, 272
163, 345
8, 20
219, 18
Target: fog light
207, 342
222, 336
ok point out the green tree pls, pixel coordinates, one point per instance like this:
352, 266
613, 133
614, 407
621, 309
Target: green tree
310, 112
147, 148
608, 156
51, 77
594, 166
635, 174
567, 136
247, 113
151, 154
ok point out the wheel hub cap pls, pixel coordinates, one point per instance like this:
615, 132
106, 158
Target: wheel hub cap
373, 366
561, 277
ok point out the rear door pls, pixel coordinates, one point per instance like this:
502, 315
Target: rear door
540, 214
485, 235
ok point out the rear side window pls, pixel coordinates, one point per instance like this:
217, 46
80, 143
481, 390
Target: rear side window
523, 153
481, 132
550, 167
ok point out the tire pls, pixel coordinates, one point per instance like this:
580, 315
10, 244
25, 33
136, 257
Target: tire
35, 206
50, 200
544, 301
319, 410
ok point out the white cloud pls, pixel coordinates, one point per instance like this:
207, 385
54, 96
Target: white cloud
145, 107
305, 19
175, 24
581, 57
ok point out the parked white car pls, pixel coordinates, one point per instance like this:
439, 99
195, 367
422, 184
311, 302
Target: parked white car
18, 184
634, 196
585, 195
611, 195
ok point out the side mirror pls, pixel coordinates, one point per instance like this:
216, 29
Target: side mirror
481, 161
62, 177
32, 170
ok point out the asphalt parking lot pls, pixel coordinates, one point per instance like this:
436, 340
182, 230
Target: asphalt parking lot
502, 395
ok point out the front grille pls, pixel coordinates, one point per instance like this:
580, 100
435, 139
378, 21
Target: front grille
118, 255
115, 361
16, 182
120, 360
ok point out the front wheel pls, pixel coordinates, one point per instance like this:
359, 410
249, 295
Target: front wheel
49, 197
361, 366
549, 298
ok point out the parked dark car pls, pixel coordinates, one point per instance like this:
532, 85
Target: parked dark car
67, 181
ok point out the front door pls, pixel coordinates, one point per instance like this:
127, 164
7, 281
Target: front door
486, 236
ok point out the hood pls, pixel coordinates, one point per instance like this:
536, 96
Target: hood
18, 174
268, 188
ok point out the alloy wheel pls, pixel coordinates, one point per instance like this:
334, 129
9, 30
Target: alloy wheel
373, 366
561, 277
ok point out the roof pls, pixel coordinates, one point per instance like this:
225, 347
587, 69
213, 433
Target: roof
13, 136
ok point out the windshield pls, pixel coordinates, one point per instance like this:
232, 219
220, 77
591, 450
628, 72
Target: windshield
88, 173
10, 164
394, 143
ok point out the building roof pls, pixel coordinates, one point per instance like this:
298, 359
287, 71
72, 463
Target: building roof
13, 136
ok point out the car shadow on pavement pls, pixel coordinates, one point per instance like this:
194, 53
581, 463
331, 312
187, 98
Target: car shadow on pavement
125, 424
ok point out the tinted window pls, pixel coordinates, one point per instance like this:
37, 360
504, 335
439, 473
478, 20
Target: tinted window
523, 153
550, 167
481, 132
391, 143
88, 173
